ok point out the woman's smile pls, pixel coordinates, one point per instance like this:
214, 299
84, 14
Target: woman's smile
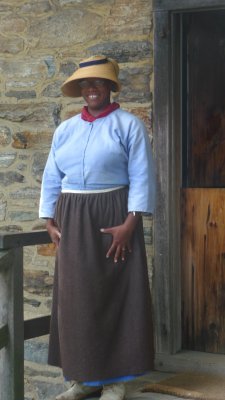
96, 93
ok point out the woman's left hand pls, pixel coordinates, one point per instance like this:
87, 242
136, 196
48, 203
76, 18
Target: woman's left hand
121, 238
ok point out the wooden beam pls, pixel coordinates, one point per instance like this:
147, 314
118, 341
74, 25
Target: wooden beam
16, 326
186, 5
162, 79
20, 239
36, 327
4, 336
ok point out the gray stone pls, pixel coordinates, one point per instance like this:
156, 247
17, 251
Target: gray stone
72, 22
12, 23
50, 62
3, 206
47, 390
5, 135
26, 67
23, 157
38, 165
23, 216
53, 90
36, 351
128, 20
38, 282
10, 228
45, 114
10, 177
25, 193
29, 371
4, 8
11, 45
7, 159
135, 84
123, 51
85, 3
19, 84
22, 167
67, 68
32, 302
35, 8
28, 94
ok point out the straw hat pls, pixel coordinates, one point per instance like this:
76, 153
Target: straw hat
93, 67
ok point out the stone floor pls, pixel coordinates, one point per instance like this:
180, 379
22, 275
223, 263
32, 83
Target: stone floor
134, 388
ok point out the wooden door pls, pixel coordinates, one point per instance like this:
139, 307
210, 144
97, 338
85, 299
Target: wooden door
203, 186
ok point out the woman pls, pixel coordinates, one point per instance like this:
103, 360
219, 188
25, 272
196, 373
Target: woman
98, 180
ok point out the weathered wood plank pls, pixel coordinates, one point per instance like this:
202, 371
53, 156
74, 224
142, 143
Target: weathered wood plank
173, 5
161, 149
36, 327
16, 326
4, 336
167, 123
12, 240
11, 297
203, 269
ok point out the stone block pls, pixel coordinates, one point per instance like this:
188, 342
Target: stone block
38, 165
10, 177
71, 113
77, 24
11, 25
31, 139
33, 69
128, 20
11, 228
23, 216
26, 192
5, 135
46, 249
19, 84
67, 68
36, 8
122, 51
85, 3
3, 206
38, 282
7, 159
144, 114
44, 115
135, 83
53, 89
11, 45
33, 302
36, 351
21, 94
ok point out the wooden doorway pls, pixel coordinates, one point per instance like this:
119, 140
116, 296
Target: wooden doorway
203, 182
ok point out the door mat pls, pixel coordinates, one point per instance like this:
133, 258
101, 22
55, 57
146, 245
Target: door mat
191, 385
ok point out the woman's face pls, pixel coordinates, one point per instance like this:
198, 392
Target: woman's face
96, 93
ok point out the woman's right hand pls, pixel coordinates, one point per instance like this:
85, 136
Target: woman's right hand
53, 231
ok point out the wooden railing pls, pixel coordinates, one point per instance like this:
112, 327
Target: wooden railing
13, 329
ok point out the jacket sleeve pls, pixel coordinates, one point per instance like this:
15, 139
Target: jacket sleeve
51, 185
141, 170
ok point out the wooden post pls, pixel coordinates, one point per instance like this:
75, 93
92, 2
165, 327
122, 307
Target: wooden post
11, 324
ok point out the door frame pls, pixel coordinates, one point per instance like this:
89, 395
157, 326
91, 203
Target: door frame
167, 22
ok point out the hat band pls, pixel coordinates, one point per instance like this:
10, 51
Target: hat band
93, 62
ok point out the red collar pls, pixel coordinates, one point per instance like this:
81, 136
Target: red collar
90, 118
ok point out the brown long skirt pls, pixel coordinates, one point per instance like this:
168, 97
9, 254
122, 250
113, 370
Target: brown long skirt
101, 325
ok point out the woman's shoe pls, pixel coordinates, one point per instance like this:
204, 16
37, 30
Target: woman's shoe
77, 392
113, 392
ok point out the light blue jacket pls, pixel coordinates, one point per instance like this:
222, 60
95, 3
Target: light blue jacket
111, 151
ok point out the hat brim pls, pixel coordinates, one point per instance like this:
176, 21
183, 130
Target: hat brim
71, 87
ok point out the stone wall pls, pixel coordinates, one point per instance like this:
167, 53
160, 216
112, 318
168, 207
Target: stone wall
41, 43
